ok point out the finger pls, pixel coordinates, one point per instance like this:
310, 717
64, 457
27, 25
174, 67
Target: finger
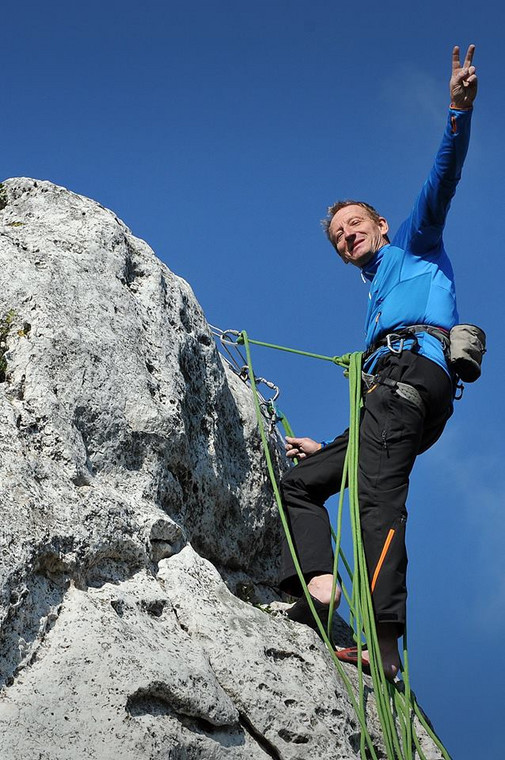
469, 56
455, 58
465, 78
466, 73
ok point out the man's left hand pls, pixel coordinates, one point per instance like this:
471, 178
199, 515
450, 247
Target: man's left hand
299, 448
463, 84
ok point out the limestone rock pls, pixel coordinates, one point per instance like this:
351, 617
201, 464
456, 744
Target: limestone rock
135, 510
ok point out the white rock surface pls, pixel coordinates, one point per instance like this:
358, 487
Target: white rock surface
132, 487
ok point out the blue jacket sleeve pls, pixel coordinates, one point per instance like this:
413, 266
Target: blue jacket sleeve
422, 231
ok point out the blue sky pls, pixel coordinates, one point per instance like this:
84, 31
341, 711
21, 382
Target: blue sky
219, 132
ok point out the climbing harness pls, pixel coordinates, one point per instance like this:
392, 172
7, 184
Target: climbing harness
463, 345
397, 708
405, 333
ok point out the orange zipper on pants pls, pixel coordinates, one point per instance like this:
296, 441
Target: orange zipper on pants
382, 557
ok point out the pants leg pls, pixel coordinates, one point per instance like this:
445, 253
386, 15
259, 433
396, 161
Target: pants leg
304, 489
390, 436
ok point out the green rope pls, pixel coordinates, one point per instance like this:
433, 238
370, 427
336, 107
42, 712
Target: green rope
395, 710
363, 600
339, 554
358, 709
407, 711
343, 361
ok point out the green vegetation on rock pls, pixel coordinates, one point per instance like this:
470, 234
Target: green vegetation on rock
3, 196
5, 326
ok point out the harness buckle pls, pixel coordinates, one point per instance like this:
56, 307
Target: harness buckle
390, 337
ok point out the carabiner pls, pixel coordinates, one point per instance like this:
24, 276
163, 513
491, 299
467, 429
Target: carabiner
390, 337
224, 337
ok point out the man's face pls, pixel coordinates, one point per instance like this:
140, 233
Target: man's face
356, 236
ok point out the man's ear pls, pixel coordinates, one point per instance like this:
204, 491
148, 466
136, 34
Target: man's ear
383, 225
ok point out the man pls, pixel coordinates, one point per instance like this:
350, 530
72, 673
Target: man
410, 397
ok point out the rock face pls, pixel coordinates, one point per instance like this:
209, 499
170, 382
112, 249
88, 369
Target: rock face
135, 513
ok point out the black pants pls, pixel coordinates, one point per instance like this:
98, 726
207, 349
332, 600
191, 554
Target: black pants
393, 431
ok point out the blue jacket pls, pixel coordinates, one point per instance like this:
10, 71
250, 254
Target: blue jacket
412, 278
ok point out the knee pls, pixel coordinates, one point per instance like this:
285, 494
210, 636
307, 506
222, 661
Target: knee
291, 482
290, 477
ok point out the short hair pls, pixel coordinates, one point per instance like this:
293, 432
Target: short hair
332, 210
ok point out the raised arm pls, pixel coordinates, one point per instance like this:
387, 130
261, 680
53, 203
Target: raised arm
422, 231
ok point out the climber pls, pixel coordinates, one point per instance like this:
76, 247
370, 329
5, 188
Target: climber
409, 392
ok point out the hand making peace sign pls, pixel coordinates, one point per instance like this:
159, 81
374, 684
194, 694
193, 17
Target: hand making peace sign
463, 84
